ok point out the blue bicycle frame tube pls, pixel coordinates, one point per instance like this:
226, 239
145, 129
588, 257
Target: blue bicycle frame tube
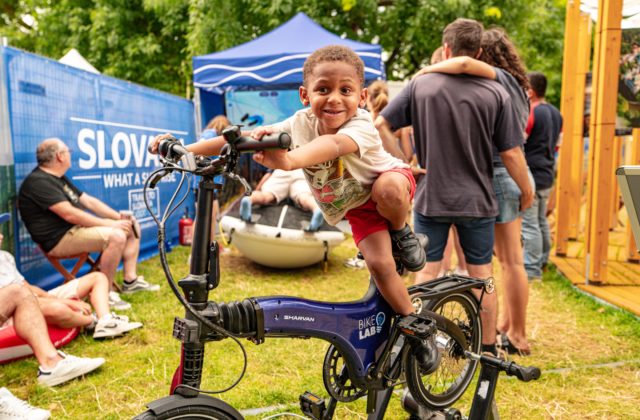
358, 329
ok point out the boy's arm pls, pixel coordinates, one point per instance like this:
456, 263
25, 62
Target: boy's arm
460, 65
321, 149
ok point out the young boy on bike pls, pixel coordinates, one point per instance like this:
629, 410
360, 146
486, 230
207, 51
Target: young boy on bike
349, 172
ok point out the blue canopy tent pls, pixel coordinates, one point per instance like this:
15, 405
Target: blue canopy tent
271, 61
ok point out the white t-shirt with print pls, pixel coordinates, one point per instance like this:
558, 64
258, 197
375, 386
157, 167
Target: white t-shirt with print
343, 183
9, 273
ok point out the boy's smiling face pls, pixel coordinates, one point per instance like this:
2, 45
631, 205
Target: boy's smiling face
334, 92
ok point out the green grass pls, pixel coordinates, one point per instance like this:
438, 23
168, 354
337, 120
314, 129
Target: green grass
568, 331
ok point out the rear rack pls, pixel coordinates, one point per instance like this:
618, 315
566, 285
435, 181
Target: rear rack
446, 285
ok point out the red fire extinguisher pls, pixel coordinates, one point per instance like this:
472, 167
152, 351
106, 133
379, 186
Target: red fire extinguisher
185, 228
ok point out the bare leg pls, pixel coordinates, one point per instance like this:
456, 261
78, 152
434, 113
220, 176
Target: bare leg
516, 287
96, 286
112, 254
429, 272
391, 193
446, 257
17, 300
262, 198
489, 308
130, 255
307, 202
462, 262
376, 249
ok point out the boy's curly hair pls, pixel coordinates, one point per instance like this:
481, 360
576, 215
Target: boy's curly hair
333, 53
499, 51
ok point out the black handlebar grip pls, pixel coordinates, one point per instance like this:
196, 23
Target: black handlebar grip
269, 141
523, 373
167, 140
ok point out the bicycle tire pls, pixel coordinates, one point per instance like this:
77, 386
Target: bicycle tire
451, 379
194, 412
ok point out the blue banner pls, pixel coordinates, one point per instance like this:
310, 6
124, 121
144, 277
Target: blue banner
107, 123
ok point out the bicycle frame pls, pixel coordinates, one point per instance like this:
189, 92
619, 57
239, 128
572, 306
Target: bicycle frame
366, 333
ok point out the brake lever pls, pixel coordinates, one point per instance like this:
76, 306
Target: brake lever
245, 184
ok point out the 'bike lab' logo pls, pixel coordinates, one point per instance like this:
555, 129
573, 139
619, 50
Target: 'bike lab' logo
370, 325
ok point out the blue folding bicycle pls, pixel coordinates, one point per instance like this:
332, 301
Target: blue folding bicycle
371, 349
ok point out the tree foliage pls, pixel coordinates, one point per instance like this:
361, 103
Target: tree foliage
152, 41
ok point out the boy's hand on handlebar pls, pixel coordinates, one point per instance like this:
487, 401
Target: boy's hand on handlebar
153, 146
274, 159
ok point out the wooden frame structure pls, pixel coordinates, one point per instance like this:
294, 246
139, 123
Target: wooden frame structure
603, 150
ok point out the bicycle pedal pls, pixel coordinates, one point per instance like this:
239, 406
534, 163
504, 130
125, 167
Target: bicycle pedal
312, 405
419, 327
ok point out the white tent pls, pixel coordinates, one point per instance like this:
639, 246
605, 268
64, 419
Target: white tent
630, 12
74, 59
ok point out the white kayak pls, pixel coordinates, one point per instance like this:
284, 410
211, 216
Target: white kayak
276, 237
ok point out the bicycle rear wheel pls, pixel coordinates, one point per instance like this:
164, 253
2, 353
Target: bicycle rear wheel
450, 380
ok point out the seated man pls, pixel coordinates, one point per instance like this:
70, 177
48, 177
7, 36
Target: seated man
65, 221
62, 306
277, 186
20, 306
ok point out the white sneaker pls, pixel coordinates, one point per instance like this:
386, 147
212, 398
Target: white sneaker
12, 407
139, 285
116, 303
113, 325
68, 368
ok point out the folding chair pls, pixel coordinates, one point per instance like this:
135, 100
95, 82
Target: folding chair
82, 258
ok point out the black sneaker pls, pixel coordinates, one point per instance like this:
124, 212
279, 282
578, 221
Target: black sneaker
406, 246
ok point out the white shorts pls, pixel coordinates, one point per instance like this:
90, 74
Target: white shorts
283, 184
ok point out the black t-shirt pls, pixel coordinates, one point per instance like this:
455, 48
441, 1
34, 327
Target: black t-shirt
456, 121
544, 126
39, 191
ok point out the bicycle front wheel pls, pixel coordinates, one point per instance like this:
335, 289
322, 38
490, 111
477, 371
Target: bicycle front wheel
192, 412
202, 407
450, 380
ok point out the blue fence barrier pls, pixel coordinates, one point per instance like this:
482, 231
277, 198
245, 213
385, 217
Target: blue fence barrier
107, 123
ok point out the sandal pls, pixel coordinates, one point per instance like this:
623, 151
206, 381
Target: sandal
509, 348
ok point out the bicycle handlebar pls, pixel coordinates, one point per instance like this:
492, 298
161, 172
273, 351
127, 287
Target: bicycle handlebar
269, 141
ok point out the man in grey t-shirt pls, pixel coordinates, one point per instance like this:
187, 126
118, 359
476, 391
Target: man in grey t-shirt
456, 120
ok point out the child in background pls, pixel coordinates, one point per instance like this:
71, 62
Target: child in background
278, 185
349, 172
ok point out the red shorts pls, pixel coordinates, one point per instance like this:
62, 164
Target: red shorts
365, 219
